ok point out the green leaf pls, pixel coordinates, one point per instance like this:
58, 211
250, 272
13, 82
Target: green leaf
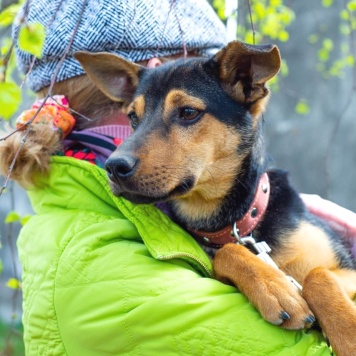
11, 217
302, 107
7, 15
24, 219
275, 3
345, 29
219, 6
260, 10
350, 60
323, 55
351, 5
273, 84
10, 99
328, 44
344, 15
0, 267
6, 44
283, 36
313, 38
284, 68
353, 24
31, 38
327, 3
13, 283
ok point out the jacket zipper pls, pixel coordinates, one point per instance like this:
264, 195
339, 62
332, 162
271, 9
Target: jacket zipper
188, 255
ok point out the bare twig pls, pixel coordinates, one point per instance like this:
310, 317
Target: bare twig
53, 80
185, 52
12, 330
251, 22
26, 123
59, 65
6, 61
55, 13
16, 292
72, 110
23, 141
164, 28
29, 71
127, 23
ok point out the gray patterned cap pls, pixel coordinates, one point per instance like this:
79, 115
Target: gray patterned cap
134, 29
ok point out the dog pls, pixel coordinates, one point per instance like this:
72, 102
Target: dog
197, 145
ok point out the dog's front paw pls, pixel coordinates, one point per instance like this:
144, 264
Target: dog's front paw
266, 287
278, 300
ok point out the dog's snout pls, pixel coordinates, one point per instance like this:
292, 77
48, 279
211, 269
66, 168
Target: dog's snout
120, 167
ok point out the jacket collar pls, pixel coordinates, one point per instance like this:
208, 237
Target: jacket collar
89, 190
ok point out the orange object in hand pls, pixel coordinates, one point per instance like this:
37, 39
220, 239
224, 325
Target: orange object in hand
55, 111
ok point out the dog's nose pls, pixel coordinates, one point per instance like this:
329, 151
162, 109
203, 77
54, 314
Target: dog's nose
120, 167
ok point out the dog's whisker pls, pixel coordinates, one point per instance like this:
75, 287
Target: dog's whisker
213, 179
240, 182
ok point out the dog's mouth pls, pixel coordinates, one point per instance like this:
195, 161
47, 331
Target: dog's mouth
153, 195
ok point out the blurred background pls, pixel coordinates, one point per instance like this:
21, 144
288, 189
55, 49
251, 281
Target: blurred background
310, 122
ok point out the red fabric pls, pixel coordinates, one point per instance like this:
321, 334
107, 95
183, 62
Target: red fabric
82, 154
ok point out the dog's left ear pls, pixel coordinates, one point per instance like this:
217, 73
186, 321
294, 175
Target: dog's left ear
244, 69
116, 77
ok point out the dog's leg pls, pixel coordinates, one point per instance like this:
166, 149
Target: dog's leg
347, 279
267, 288
328, 295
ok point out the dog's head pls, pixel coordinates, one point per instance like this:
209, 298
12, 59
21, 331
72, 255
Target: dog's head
193, 122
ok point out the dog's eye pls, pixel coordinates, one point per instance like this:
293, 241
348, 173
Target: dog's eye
189, 114
134, 120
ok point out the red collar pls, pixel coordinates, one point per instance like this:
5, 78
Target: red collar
245, 225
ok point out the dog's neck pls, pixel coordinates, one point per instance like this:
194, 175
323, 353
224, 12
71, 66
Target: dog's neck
238, 199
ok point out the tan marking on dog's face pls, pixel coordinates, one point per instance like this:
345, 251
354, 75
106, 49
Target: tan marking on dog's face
179, 99
214, 154
300, 253
206, 150
138, 106
258, 108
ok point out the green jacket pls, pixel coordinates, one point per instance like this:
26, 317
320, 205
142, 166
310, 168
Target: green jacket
102, 276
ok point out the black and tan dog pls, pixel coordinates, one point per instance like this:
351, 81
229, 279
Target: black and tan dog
197, 144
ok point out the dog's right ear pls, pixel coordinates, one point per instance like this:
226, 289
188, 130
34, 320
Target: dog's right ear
116, 77
244, 69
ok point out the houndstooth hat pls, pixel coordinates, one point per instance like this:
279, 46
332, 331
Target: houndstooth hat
134, 29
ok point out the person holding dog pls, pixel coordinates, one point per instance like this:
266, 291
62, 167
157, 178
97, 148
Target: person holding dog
100, 274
